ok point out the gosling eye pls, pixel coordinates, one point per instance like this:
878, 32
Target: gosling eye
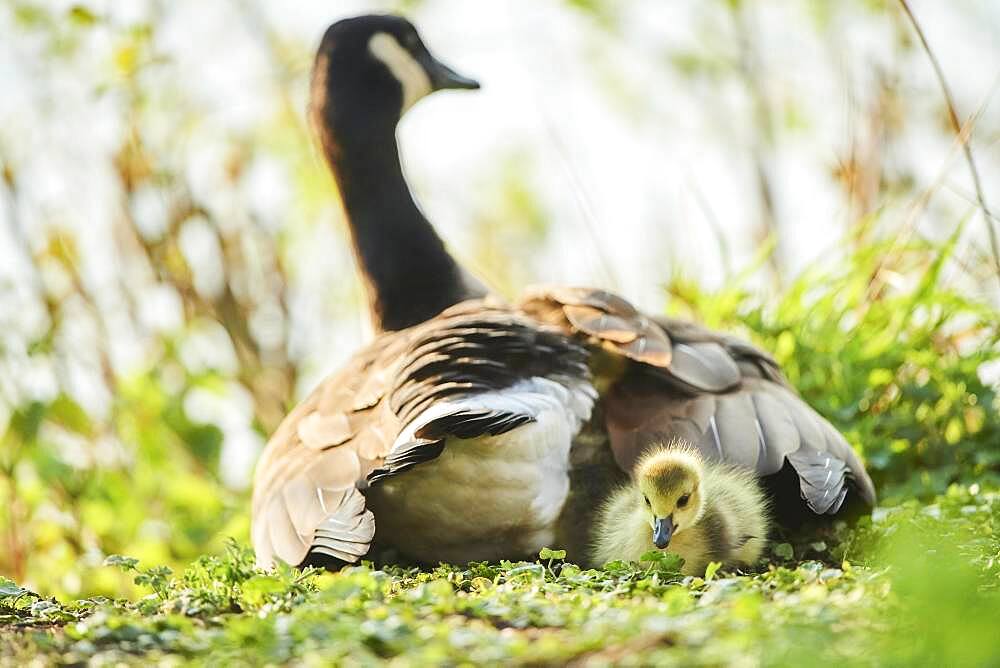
683, 500
647, 501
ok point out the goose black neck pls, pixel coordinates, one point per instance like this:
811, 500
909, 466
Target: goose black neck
409, 275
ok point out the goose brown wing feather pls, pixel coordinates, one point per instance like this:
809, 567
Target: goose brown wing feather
282, 540
601, 324
734, 426
777, 433
322, 430
751, 360
580, 296
348, 529
604, 318
694, 359
704, 367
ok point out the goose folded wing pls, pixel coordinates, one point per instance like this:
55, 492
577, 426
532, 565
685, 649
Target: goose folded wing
305, 488
751, 361
470, 379
391, 408
714, 390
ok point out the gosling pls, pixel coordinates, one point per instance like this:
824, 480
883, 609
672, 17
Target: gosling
701, 511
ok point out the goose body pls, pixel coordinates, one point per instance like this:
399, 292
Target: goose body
722, 516
470, 428
459, 444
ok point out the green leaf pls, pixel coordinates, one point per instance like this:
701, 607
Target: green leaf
10, 589
665, 562
784, 550
156, 578
260, 588
653, 556
547, 553
124, 563
69, 414
26, 421
82, 16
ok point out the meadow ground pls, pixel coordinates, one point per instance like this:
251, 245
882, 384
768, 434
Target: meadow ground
917, 585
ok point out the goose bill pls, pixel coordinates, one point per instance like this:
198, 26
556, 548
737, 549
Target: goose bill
443, 77
663, 531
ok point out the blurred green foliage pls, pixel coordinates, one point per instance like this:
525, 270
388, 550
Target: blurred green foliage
63, 519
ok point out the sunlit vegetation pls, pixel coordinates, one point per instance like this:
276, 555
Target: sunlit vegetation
878, 604
146, 354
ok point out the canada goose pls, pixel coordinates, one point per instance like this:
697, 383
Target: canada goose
470, 429
702, 511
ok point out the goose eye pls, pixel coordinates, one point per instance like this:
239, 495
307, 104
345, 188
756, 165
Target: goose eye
647, 501
683, 500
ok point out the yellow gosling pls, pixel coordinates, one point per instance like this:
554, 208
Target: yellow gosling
677, 502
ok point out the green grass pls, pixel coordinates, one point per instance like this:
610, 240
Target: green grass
919, 585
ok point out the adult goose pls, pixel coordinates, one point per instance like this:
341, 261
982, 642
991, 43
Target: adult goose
470, 429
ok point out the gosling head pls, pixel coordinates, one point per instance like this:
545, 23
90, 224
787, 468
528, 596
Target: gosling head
670, 482
373, 68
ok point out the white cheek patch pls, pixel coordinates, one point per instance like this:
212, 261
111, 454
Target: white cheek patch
415, 81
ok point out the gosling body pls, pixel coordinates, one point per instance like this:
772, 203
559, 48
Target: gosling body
702, 511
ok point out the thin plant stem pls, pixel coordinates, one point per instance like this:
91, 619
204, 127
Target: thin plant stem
957, 127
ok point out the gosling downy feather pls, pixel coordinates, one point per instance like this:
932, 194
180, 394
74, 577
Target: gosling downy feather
701, 511
473, 429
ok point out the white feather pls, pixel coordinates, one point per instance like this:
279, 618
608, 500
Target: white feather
533, 396
410, 74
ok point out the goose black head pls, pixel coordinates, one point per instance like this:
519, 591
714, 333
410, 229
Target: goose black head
374, 68
369, 71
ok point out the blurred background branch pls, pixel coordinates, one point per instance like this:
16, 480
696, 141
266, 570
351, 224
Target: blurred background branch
962, 131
